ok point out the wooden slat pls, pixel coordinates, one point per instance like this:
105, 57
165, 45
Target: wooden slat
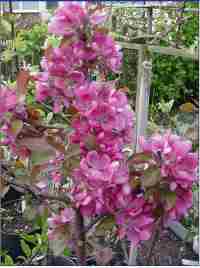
185, 53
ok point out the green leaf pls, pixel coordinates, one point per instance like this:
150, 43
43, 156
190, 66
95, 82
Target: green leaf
29, 238
25, 247
106, 224
66, 252
49, 117
39, 239
8, 260
40, 157
30, 212
8, 54
151, 177
5, 28
170, 198
16, 126
54, 41
36, 250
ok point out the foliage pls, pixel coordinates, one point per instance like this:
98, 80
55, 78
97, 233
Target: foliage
29, 43
7, 259
173, 77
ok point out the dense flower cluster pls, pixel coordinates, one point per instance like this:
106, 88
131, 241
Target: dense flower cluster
178, 169
84, 48
103, 126
105, 119
102, 122
8, 100
11, 115
136, 220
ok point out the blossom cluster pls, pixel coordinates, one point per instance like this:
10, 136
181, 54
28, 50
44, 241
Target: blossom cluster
58, 223
105, 121
178, 167
11, 115
102, 124
84, 48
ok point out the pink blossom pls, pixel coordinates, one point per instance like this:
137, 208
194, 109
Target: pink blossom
8, 100
56, 176
68, 20
182, 205
85, 98
97, 167
178, 164
104, 45
58, 223
134, 222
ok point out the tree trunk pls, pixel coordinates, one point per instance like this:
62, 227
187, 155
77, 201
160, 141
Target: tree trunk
80, 238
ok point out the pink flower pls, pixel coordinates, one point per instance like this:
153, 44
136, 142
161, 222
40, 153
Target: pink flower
182, 205
178, 164
85, 98
68, 20
56, 176
42, 91
8, 100
102, 116
105, 46
135, 222
97, 167
58, 223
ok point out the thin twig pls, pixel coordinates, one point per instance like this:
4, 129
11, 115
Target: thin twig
95, 221
154, 239
80, 237
34, 190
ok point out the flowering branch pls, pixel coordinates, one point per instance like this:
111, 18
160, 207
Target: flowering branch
36, 193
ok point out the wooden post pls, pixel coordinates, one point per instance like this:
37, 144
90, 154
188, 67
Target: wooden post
142, 104
143, 92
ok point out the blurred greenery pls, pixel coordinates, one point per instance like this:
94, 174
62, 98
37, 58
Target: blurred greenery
173, 77
29, 44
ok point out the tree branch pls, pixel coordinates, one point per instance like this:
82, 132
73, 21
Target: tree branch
34, 191
95, 221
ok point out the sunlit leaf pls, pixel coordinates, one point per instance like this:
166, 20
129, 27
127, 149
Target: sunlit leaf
187, 107
8, 260
8, 55
151, 177
16, 126
41, 157
170, 198
25, 247
106, 224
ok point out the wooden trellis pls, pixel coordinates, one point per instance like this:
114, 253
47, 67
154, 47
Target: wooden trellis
144, 79
144, 75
